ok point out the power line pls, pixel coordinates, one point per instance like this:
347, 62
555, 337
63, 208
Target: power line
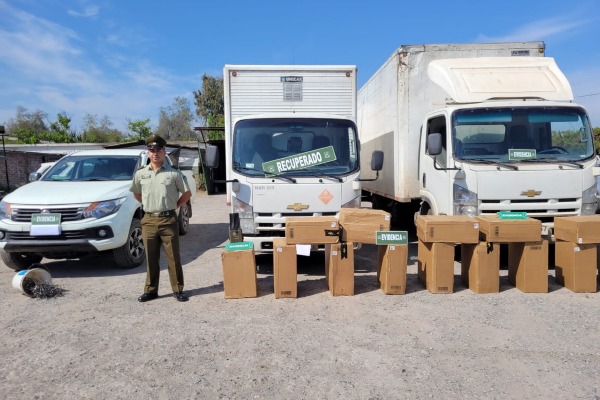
589, 95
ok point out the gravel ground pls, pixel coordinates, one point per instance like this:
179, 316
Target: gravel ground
98, 342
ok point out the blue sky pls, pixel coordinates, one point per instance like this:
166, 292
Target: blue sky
128, 58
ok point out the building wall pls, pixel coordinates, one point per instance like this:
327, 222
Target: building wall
20, 165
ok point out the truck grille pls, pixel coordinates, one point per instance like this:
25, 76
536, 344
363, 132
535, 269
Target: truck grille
276, 221
67, 214
65, 235
533, 207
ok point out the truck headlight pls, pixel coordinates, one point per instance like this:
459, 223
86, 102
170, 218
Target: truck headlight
101, 209
465, 201
246, 215
589, 201
5, 211
354, 203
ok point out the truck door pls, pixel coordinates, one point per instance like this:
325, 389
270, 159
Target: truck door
436, 191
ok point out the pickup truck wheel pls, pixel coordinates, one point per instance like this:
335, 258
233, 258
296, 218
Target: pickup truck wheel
19, 261
132, 253
183, 219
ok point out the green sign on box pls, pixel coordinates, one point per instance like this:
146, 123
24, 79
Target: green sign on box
512, 215
239, 246
391, 237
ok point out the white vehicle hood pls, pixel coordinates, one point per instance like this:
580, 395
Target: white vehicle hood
57, 193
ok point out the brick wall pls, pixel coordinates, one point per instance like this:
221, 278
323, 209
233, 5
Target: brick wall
20, 165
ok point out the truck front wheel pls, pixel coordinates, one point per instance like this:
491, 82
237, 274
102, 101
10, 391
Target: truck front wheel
19, 261
132, 253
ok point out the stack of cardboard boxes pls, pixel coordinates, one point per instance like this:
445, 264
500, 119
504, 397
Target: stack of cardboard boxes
576, 244
437, 236
527, 252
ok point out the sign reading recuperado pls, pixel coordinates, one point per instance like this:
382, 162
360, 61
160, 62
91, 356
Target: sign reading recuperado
300, 161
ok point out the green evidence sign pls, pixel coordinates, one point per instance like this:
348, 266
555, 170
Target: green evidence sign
521, 154
512, 215
391, 237
239, 246
300, 161
45, 219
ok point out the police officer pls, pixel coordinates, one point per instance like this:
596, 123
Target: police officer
161, 189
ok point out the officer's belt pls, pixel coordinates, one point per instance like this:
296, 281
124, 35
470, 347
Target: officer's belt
169, 213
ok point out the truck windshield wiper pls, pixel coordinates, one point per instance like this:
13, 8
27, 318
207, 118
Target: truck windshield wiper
554, 160
319, 173
490, 162
287, 178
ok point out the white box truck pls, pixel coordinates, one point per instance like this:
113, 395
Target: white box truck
471, 129
291, 145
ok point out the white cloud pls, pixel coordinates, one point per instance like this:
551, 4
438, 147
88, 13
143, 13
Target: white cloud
87, 12
50, 67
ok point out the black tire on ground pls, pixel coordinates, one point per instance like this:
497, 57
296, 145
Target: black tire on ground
19, 261
183, 219
132, 254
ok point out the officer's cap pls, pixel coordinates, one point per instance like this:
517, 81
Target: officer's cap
155, 142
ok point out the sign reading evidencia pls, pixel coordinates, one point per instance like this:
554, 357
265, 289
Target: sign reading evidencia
391, 237
300, 161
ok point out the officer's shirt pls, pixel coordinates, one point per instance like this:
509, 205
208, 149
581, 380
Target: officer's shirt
160, 190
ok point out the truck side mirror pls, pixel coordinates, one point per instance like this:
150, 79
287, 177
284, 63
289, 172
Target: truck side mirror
211, 154
377, 160
434, 144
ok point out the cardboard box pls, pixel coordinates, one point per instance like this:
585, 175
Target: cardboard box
339, 268
583, 229
575, 266
437, 262
311, 230
528, 266
480, 267
447, 229
359, 225
391, 268
496, 230
285, 269
239, 274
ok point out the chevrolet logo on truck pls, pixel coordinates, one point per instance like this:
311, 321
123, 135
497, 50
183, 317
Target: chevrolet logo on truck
297, 207
531, 193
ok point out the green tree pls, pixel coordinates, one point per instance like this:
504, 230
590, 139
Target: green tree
28, 127
100, 131
140, 128
175, 121
60, 131
210, 104
597, 139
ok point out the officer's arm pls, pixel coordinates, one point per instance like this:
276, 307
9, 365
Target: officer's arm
184, 198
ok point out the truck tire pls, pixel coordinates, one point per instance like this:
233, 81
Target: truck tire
132, 254
183, 219
19, 261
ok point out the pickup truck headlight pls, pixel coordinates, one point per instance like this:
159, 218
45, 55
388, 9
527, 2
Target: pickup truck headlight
5, 211
246, 215
101, 209
465, 201
589, 201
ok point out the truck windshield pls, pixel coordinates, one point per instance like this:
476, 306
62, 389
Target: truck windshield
93, 168
522, 134
295, 146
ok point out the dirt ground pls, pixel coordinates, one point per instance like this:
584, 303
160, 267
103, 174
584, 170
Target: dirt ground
98, 342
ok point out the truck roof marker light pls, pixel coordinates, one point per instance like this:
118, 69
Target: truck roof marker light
348, 74
233, 73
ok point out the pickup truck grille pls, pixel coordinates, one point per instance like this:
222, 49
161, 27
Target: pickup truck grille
67, 214
65, 235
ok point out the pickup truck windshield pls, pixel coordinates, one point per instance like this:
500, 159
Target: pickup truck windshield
93, 168
560, 134
295, 146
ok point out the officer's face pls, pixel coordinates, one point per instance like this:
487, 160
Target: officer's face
157, 155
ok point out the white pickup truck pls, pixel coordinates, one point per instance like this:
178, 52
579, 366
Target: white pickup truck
80, 206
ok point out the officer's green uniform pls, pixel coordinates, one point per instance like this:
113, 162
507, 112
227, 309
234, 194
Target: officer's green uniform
160, 191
